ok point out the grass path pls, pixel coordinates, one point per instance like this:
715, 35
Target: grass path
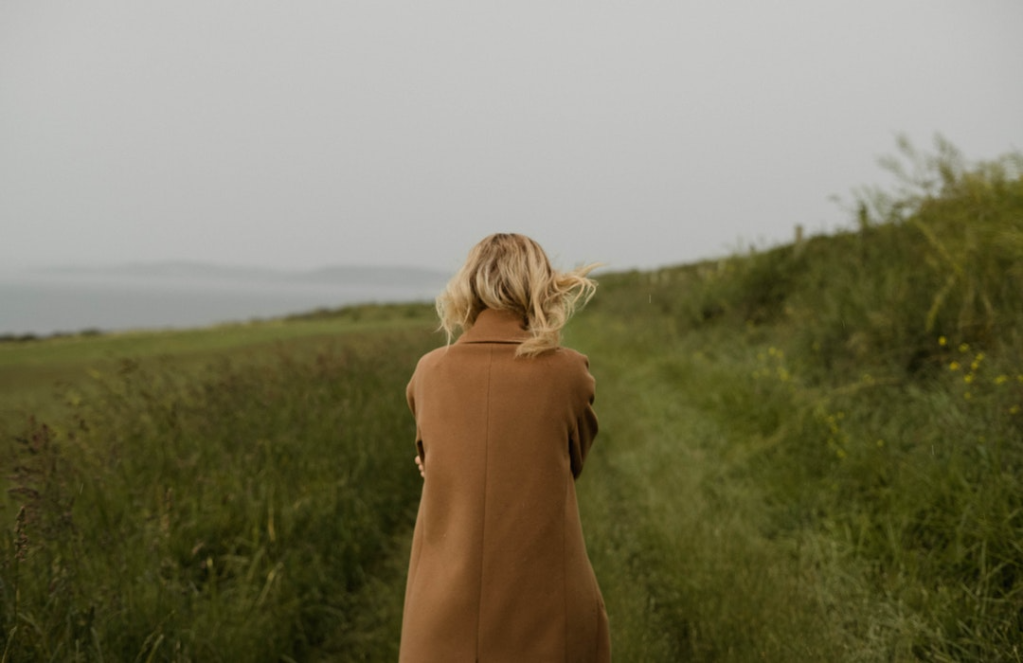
676, 529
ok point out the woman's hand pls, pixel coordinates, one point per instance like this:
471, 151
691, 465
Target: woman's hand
419, 464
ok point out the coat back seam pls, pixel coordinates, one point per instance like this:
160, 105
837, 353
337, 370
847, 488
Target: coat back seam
483, 525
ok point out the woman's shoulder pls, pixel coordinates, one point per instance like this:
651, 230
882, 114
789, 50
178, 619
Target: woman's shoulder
432, 357
572, 365
570, 356
575, 371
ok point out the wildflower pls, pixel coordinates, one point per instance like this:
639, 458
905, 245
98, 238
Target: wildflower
1001, 379
941, 341
880, 443
968, 378
964, 347
954, 366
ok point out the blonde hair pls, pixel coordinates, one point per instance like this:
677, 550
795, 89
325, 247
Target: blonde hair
511, 272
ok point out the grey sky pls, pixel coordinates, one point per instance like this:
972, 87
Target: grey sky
301, 134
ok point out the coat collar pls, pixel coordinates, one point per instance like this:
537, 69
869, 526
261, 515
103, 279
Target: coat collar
496, 326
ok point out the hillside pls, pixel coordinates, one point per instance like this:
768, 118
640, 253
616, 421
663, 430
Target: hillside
816, 452
812, 453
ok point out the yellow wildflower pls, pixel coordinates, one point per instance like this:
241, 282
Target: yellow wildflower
954, 366
1001, 379
964, 347
968, 378
942, 341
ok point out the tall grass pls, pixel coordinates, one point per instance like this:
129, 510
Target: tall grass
813, 452
232, 516
838, 471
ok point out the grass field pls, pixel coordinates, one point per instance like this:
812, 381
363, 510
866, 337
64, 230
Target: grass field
811, 453
30, 370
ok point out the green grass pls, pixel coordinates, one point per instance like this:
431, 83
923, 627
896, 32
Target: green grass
232, 512
808, 453
29, 370
816, 452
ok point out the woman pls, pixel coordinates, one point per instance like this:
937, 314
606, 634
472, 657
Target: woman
499, 570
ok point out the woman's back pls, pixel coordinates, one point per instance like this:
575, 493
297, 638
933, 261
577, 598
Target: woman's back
499, 570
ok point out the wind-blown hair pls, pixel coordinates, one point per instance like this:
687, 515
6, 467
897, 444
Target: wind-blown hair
511, 272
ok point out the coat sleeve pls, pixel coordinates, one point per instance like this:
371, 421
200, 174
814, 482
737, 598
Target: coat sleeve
410, 397
585, 427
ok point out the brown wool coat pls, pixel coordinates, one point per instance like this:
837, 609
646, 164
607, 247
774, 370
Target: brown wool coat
499, 571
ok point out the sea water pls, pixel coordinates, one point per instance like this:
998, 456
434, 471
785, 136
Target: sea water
48, 304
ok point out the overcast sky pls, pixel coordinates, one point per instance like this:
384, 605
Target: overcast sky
310, 133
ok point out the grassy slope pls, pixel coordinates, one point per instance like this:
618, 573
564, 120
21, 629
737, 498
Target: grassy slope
816, 453
812, 453
680, 527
